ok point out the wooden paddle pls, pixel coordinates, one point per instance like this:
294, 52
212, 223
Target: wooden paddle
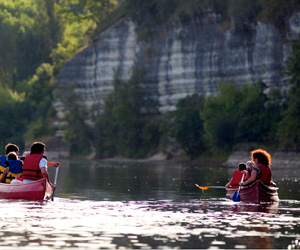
207, 187
55, 179
236, 196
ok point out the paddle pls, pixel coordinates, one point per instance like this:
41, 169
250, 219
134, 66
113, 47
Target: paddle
236, 196
207, 187
55, 179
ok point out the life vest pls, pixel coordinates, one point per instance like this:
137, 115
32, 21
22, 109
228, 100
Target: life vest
237, 177
15, 168
31, 169
266, 173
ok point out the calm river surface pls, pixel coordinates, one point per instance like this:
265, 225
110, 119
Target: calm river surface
105, 205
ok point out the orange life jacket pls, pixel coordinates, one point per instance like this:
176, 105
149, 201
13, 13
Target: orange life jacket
237, 177
31, 169
266, 173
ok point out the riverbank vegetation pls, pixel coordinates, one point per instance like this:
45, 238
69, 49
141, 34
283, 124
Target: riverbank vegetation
38, 36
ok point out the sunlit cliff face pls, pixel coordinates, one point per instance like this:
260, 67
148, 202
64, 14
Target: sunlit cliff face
181, 60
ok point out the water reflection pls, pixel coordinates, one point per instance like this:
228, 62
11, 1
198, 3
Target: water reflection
146, 206
88, 224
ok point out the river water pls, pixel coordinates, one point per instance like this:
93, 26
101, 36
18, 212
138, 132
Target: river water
110, 205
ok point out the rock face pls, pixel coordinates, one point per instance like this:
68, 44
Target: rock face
181, 59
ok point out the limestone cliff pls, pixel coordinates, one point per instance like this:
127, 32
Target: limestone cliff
182, 58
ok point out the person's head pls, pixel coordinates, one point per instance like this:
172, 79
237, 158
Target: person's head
242, 166
24, 155
12, 156
37, 148
262, 157
11, 148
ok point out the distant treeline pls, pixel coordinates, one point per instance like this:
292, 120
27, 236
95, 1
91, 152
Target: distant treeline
38, 36
243, 13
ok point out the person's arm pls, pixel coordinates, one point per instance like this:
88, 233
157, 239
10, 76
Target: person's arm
45, 175
5, 172
228, 184
53, 164
251, 179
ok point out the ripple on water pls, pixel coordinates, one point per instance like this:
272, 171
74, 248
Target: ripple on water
147, 224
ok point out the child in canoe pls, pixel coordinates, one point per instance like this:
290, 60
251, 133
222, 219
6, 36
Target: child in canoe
237, 176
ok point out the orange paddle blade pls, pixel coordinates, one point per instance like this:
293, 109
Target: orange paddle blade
203, 188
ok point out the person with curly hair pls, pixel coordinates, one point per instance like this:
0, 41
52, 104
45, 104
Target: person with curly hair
260, 167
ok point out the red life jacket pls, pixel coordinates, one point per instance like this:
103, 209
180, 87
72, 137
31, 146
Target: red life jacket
237, 177
266, 173
31, 169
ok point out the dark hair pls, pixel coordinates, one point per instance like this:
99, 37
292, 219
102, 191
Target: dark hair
12, 156
242, 166
37, 148
11, 148
262, 156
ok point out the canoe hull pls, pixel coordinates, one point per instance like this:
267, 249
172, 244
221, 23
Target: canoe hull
34, 191
256, 193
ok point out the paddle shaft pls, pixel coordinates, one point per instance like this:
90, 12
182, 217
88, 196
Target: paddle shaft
241, 182
55, 179
207, 187
56, 173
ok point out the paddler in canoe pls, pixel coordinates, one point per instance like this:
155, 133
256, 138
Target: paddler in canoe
259, 168
35, 164
259, 187
237, 176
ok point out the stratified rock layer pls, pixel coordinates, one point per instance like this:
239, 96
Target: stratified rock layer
181, 59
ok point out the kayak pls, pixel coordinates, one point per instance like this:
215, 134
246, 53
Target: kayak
257, 192
34, 191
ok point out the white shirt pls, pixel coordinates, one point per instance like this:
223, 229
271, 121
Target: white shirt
43, 163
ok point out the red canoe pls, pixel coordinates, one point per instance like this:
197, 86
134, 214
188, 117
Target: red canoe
33, 191
256, 193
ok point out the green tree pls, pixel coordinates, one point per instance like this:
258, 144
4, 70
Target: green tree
188, 126
95, 10
220, 116
289, 127
13, 120
78, 134
122, 127
241, 116
39, 99
253, 124
29, 32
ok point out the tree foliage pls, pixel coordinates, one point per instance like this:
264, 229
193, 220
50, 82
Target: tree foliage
289, 126
39, 102
77, 132
188, 126
122, 128
13, 120
239, 115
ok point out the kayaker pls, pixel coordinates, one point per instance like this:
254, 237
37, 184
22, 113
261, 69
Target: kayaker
237, 176
260, 168
35, 164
